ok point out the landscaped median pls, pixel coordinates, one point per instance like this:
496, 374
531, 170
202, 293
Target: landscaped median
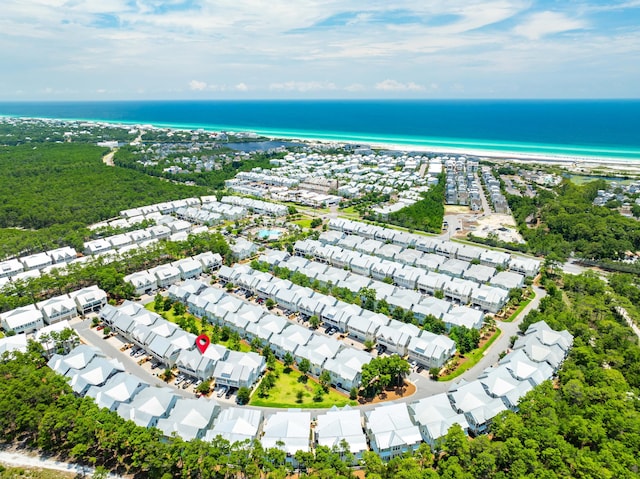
471, 359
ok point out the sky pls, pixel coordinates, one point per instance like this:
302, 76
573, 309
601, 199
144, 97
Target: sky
263, 49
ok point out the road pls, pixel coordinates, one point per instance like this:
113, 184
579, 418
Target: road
426, 387
108, 158
22, 459
95, 338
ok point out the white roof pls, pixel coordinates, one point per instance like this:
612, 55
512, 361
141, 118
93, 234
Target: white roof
436, 415
391, 426
149, 404
236, 424
119, 388
17, 342
189, 418
292, 428
337, 425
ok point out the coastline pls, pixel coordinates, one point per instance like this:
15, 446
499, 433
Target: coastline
625, 161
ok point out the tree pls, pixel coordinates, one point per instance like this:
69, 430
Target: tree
304, 366
353, 393
270, 303
204, 387
288, 360
369, 345
434, 373
325, 379
299, 395
314, 322
243, 395
166, 375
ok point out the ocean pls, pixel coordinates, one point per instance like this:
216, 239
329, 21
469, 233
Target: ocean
570, 128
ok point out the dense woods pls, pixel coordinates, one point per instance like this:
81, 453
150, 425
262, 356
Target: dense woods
49, 193
426, 214
586, 424
565, 220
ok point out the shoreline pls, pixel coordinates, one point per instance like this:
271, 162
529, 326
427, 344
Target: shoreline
579, 162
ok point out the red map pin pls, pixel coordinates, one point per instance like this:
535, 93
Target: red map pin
202, 342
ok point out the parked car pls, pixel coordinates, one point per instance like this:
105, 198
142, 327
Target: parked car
179, 379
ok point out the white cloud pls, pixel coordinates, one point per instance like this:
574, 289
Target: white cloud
541, 24
394, 85
197, 85
241, 87
302, 86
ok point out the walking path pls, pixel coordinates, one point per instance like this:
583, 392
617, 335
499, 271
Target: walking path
623, 312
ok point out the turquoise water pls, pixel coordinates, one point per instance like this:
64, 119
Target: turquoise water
577, 128
269, 234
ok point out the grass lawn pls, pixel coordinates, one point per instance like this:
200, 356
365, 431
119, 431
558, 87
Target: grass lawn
472, 358
304, 223
520, 308
283, 394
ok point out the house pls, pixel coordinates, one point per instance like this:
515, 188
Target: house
471, 399
338, 425
346, 367
35, 261
409, 257
390, 431
242, 248
407, 276
432, 282
430, 305
383, 269
143, 282
235, 424
535, 350
496, 259
25, 319
189, 268
96, 373
396, 336
355, 283
463, 316
550, 337
523, 368
10, 268
434, 416
362, 265
454, 267
10, 344
530, 267
507, 280
489, 298
166, 275
239, 369
56, 309
183, 291
162, 349
62, 255
404, 298
431, 350
317, 351
194, 364
148, 406
364, 326
430, 261
89, 299
76, 359
97, 247
265, 327
479, 273
468, 253
209, 261
288, 431
460, 290
190, 418
119, 389
45, 336
289, 339
499, 383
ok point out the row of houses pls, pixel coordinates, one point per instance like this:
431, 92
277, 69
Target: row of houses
163, 276
40, 261
419, 304
257, 206
423, 347
458, 280
527, 266
30, 318
170, 345
389, 430
494, 191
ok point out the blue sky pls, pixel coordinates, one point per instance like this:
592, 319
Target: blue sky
234, 49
